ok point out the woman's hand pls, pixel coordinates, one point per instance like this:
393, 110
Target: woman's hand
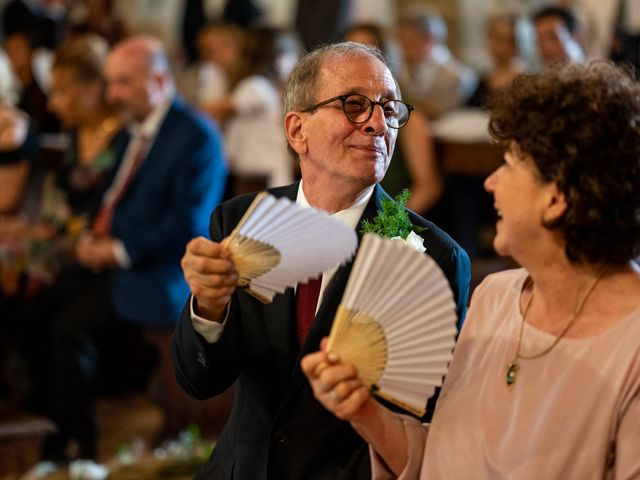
336, 385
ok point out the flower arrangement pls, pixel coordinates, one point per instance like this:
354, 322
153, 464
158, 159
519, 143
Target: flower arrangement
393, 222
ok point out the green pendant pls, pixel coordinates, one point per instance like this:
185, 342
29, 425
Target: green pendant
512, 371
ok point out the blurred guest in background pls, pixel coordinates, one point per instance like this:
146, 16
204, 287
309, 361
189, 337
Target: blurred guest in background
78, 99
99, 17
216, 71
431, 78
375, 35
170, 173
14, 158
68, 196
252, 114
624, 29
15, 155
466, 209
32, 84
321, 22
37, 252
502, 45
245, 13
558, 36
44, 21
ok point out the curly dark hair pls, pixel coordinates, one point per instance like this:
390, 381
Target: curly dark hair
581, 127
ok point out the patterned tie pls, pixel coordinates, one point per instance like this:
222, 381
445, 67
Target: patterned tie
306, 302
102, 223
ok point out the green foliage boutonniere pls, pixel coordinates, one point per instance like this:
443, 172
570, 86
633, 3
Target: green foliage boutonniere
393, 222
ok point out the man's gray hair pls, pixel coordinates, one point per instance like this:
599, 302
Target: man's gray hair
302, 84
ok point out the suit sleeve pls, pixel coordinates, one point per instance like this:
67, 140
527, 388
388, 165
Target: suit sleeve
206, 369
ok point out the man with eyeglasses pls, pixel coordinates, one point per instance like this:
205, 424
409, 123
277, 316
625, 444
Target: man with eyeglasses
343, 111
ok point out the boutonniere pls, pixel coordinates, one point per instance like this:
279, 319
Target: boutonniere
393, 222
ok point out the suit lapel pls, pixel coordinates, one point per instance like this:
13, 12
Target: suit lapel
163, 142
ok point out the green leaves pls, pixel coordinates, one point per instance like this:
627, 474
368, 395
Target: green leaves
392, 220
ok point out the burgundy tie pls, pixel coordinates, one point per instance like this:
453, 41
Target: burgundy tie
102, 223
306, 303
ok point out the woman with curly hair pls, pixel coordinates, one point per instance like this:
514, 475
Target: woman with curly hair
545, 378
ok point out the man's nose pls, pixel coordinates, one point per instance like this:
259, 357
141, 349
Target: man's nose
377, 123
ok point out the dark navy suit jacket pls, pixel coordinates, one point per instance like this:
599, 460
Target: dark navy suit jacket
169, 201
277, 430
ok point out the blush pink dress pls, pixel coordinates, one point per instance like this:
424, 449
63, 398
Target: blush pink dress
573, 413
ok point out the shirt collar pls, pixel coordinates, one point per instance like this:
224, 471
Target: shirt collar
149, 127
350, 215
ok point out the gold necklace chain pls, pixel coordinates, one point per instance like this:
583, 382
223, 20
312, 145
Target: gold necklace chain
513, 367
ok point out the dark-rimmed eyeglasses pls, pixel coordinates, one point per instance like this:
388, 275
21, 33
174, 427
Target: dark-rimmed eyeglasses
359, 108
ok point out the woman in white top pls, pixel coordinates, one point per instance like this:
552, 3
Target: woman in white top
545, 378
252, 114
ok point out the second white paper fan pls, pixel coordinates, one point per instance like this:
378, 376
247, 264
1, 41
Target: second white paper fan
396, 322
278, 243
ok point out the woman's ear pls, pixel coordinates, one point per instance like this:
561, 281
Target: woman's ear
556, 205
295, 135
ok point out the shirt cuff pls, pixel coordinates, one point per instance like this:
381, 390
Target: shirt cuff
211, 331
120, 254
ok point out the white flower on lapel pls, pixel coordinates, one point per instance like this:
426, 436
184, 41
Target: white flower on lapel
414, 241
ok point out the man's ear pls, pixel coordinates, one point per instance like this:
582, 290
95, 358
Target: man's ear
159, 85
556, 205
295, 135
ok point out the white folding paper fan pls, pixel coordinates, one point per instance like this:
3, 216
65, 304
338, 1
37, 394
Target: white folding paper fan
279, 243
396, 322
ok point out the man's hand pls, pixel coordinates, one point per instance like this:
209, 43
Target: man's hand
211, 276
96, 253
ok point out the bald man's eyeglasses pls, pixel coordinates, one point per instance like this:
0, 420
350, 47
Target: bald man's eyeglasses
359, 108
